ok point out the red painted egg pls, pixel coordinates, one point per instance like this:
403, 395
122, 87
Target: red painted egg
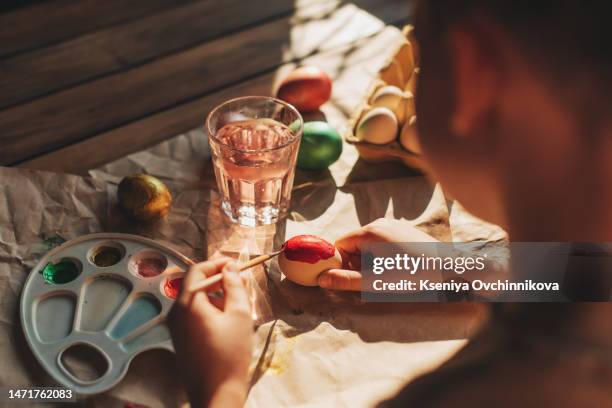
306, 88
304, 257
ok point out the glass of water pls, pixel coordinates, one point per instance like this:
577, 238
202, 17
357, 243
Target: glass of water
254, 142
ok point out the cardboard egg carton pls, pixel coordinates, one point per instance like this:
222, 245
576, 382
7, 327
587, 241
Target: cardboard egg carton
401, 70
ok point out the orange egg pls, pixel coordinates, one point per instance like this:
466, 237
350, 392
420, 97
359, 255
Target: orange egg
306, 88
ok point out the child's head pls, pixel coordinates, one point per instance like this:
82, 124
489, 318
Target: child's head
514, 101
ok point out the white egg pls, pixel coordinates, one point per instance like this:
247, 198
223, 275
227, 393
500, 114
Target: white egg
393, 98
409, 138
379, 126
306, 273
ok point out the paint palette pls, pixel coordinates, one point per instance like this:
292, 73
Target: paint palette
108, 293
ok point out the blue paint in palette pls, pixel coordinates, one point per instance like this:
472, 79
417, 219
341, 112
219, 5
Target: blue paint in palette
140, 311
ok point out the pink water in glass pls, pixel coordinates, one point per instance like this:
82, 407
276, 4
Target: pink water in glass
254, 162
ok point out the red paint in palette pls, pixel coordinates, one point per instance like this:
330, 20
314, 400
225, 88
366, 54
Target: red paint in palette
172, 287
308, 248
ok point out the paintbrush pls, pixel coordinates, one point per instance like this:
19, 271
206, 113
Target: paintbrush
208, 282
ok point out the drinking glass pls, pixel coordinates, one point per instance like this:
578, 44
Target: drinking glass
254, 141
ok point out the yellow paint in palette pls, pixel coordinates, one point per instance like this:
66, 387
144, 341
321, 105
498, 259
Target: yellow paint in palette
106, 256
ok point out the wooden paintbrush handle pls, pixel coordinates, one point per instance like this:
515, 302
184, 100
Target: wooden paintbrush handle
208, 282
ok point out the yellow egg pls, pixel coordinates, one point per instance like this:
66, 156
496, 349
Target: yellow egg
393, 98
409, 138
379, 126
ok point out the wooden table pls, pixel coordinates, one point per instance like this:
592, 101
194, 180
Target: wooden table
85, 82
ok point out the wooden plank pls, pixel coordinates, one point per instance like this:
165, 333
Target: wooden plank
51, 21
120, 47
108, 146
75, 114
364, 56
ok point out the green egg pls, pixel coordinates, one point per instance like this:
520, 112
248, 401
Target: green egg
321, 146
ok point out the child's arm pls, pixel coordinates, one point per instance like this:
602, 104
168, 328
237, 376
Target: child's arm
213, 338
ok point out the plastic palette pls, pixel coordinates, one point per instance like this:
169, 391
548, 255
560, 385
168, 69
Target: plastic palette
107, 292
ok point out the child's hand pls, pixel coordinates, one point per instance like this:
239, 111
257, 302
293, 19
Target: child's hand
213, 337
381, 230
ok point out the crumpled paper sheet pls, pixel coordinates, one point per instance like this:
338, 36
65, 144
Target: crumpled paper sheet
328, 366
35, 210
314, 347
40, 210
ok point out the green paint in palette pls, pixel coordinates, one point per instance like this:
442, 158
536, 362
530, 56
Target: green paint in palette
142, 309
59, 273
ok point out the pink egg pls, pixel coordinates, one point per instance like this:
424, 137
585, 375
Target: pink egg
306, 88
